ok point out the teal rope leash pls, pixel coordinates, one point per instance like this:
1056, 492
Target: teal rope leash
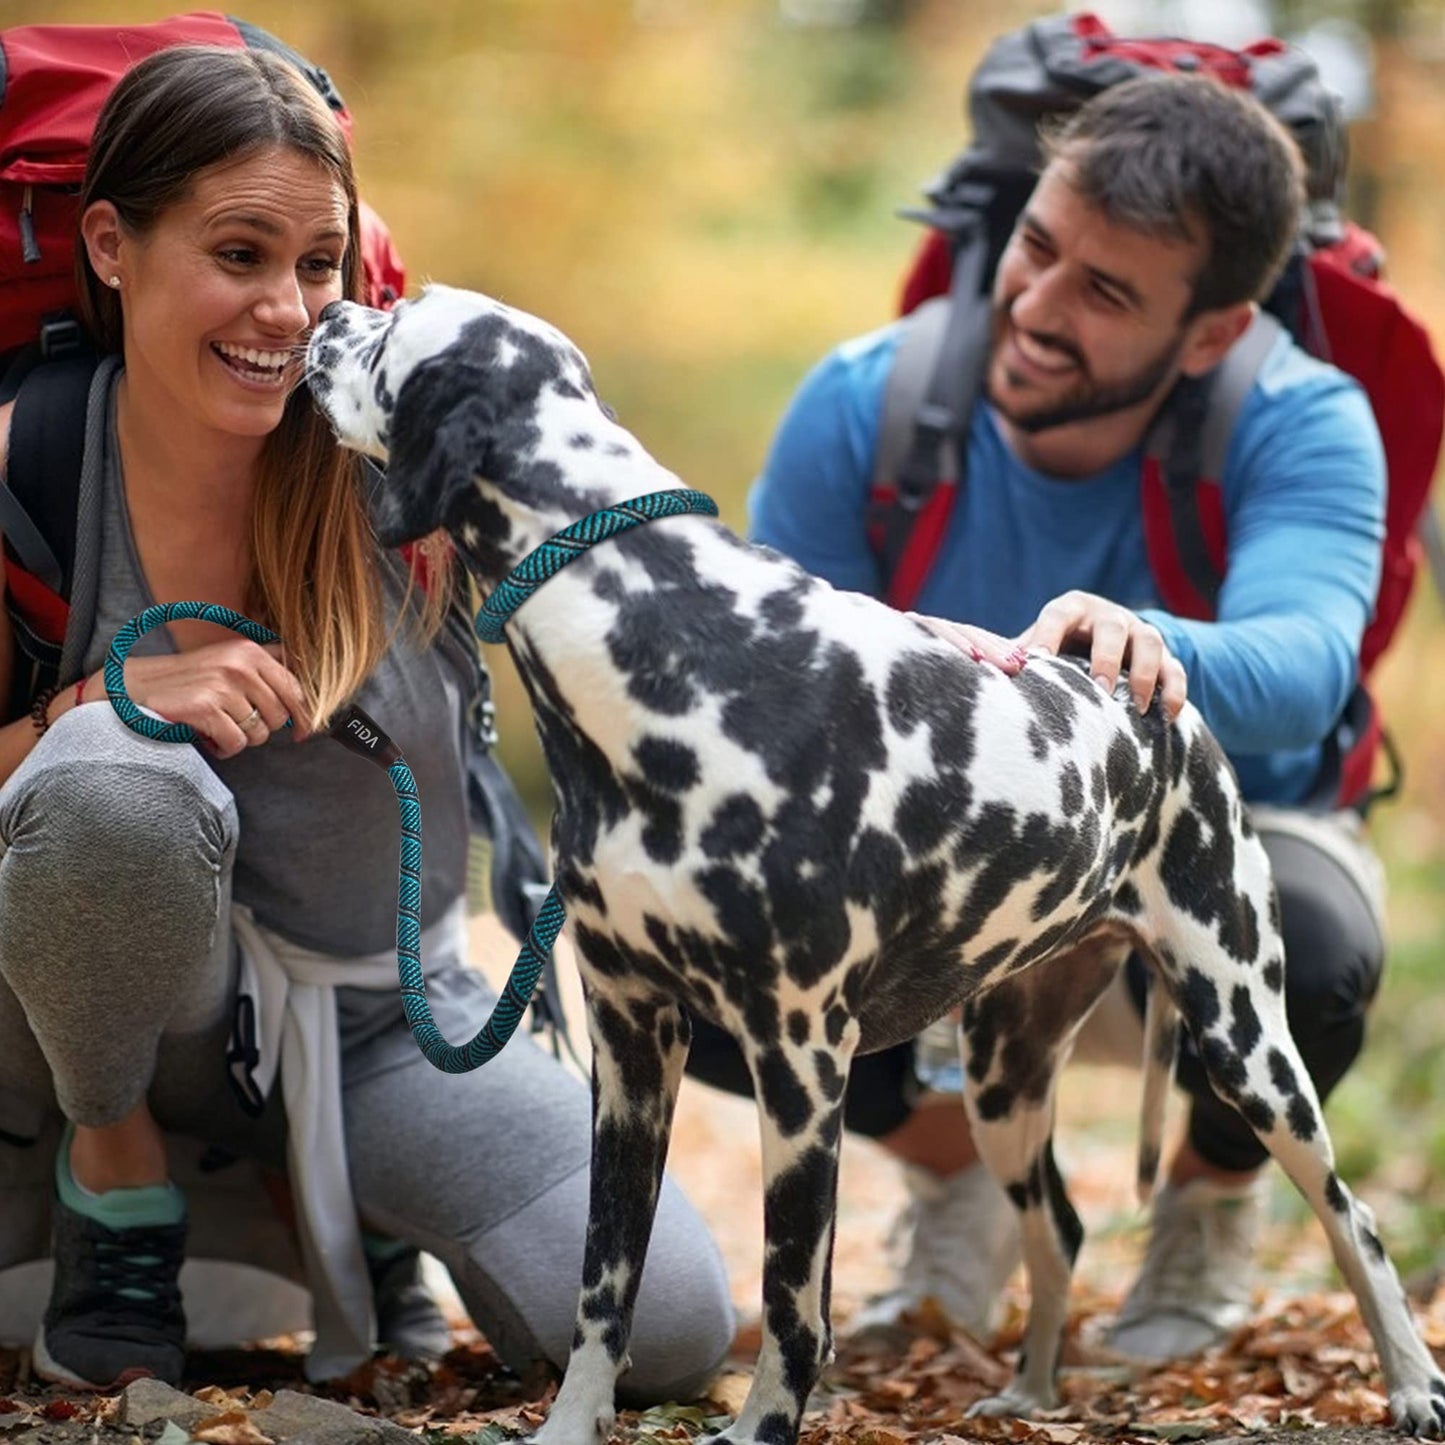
358, 733
131, 632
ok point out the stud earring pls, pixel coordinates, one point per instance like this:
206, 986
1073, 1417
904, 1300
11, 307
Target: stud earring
115, 281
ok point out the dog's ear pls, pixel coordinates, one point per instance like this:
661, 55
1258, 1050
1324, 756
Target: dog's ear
439, 444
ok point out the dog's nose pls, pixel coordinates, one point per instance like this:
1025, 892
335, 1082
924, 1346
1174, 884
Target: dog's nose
329, 310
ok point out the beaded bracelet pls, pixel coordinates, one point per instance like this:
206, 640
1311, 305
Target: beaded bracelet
40, 710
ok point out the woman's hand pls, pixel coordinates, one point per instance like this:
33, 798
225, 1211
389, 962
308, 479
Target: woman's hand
977, 642
1115, 639
235, 693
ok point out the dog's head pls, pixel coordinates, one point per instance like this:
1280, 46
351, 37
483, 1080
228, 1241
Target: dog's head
450, 390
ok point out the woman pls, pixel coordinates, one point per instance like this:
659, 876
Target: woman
144, 886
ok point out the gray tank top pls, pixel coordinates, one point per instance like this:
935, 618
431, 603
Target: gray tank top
317, 857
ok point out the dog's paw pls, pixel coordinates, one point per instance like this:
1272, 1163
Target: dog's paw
1420, 1409
568, 1427
1013, 1403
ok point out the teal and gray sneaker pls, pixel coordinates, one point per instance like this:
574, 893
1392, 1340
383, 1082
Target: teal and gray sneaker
115, 1310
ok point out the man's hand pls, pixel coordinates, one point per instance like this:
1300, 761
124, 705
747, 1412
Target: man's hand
1115, 639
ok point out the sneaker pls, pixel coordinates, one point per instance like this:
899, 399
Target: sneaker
115, 1310
1194, 1288
409, 1322
959, 1242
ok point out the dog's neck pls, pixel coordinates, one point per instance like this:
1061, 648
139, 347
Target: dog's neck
580, 462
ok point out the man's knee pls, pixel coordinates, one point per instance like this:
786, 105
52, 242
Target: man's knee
1333, 944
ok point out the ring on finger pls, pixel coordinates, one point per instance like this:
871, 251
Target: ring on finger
251, 720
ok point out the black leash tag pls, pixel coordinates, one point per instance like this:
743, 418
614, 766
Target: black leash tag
360, 734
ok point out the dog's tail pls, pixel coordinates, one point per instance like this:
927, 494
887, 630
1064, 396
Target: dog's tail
1161, 1045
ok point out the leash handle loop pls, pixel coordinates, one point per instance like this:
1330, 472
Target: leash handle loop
131, 632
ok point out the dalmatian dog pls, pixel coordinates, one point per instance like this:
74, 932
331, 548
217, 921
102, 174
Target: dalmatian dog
798, 813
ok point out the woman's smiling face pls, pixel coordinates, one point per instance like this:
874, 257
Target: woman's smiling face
219, 295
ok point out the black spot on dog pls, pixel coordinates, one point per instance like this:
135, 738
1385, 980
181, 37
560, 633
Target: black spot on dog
1281, 1073
875, 876
1199, 1000
1299, 1112
735, 830
1257, 1114
994, 1102
667, 764
1071, 789
835, 1022
992, 959
1052, 708
1245, 1032
831, 1080
1335, 1195
1018, 1195
1131, 785
783, 610
1067, 1224
582, 441
1274, 975
1128, 901
775, 1428
799, 1027
923, 816
1225, 1068
1149, 1162
784, 1096
1303, 1123
798, 1210
1197, 868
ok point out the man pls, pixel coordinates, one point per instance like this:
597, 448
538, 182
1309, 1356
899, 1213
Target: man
1165, 211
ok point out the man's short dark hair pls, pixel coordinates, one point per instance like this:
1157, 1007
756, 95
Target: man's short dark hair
1187, 157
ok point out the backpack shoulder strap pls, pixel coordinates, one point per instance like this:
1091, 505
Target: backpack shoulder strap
42, 474
927, 404
1184, 456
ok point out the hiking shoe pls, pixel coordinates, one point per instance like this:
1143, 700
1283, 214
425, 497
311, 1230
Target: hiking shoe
115, 1310
409, 1322
1194, 1288
958, 1239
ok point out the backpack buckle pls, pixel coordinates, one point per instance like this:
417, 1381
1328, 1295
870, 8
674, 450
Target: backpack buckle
60, 335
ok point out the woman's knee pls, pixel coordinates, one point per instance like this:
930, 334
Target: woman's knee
684, 1323
95, 804
521, 1281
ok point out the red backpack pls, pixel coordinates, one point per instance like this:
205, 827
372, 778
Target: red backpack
54, 79
1330, 298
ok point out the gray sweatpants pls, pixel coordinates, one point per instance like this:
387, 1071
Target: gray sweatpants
117, 984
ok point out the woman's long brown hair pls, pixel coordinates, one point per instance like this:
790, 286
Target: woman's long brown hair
315, 563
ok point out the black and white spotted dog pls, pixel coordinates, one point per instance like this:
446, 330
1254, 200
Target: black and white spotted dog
798, 813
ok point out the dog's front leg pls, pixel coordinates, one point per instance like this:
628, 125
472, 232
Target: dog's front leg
800, 1111
639, 1045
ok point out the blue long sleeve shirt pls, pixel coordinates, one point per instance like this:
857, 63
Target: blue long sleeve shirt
1303, 493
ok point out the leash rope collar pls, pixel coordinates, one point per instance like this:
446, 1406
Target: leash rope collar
545, 561
358, 733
